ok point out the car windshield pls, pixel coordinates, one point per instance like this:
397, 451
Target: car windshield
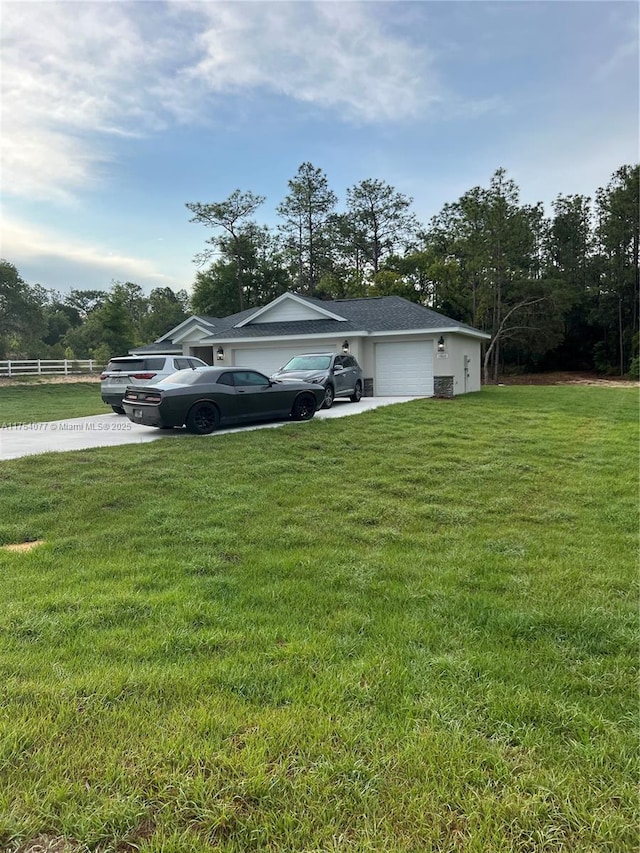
308, 362
187, 377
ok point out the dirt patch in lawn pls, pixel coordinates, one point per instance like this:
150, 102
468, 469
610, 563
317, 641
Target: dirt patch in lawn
568, 378
51, 844
48, 380
22, 546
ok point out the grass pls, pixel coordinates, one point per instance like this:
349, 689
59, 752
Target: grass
413, 630
30, 402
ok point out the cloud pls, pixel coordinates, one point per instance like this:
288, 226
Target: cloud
334, 55
25, 244
65, 87
623, 54
77, 76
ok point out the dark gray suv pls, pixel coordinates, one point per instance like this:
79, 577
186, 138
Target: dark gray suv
339, 375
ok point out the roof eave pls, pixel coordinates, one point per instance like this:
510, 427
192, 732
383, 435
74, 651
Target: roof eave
255, 338
437, 330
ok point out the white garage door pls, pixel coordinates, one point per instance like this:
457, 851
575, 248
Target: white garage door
404, 368
269, 360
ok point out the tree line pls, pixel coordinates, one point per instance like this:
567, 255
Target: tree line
557, 291
98, 324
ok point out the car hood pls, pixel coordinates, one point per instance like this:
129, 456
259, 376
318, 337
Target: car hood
300, 375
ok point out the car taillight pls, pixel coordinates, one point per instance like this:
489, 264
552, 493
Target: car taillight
142, 397
103, 376
142, 375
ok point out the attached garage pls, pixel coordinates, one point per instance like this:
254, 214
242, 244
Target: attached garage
404, 368
269, 360
404, 349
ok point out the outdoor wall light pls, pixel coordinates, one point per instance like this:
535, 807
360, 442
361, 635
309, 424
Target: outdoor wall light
220, 354
345, 346
441, 344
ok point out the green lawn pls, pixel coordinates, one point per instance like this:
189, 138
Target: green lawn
411, 630
30, 402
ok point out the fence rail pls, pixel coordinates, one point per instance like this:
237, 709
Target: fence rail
48, 367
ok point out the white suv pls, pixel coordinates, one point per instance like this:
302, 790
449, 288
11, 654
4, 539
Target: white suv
139, 370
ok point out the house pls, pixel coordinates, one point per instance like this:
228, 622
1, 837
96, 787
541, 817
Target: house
403, 348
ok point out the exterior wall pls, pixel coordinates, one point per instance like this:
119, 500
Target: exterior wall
287, 310
208, 352
453, 365
302, 344
456, 348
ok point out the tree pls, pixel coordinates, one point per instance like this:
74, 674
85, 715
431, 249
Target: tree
570, 263
427, 279
166, 309
214, 291
392, 282
231, 215
306, 210
109, 327
380, 220
618, 241
497, 245
263, 273
21, 316
85, 301
131, 297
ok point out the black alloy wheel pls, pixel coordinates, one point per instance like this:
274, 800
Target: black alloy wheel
357, 394
203, 418
118, 410
304, 407
328, 397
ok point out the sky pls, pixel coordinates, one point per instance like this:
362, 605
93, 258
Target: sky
116, 114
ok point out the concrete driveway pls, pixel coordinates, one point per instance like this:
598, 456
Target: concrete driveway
18, 440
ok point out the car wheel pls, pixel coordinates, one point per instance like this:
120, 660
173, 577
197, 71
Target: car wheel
357, 394
203, 418
328, 397
304, 407
118, 410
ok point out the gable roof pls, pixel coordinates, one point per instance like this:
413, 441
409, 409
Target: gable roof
197, 320
365, 315
315, 305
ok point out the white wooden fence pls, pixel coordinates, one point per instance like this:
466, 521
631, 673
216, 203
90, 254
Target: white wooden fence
48, 367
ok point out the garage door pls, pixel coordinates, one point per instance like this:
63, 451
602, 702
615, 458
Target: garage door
269, 360
404, 369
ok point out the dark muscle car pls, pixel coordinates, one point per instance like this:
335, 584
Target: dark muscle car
205, 398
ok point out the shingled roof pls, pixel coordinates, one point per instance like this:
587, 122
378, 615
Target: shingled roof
391, 313
369, 314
